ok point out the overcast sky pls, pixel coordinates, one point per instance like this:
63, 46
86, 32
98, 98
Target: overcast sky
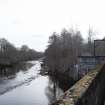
31, 22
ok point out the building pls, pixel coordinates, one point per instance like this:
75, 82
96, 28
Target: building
86, 63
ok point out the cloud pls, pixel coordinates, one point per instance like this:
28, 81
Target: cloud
17, 22
33, 21
3, 1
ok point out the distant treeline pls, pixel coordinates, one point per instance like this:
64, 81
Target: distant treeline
9, 54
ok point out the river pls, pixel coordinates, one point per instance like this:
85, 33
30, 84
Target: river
27, 87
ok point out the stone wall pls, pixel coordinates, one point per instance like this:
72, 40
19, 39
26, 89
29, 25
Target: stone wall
90, 90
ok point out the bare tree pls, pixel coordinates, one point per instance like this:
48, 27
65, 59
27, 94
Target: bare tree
63, 50
90, 45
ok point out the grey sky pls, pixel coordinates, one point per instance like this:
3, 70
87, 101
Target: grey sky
31, 22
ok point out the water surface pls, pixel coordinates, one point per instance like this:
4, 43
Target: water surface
27, 87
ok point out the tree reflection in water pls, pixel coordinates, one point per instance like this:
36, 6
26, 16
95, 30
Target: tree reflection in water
53, 90
10, 72
58, 84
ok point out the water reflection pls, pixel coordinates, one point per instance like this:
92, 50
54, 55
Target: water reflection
53, 91
57, 85
13, 76
11, 71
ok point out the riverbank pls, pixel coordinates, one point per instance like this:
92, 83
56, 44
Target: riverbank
63, 79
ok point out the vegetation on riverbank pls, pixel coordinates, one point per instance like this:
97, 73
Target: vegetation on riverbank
10, 55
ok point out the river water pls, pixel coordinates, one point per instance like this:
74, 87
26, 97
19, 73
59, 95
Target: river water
26, 87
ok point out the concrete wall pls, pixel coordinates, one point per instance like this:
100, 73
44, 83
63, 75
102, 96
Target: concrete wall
90, 90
